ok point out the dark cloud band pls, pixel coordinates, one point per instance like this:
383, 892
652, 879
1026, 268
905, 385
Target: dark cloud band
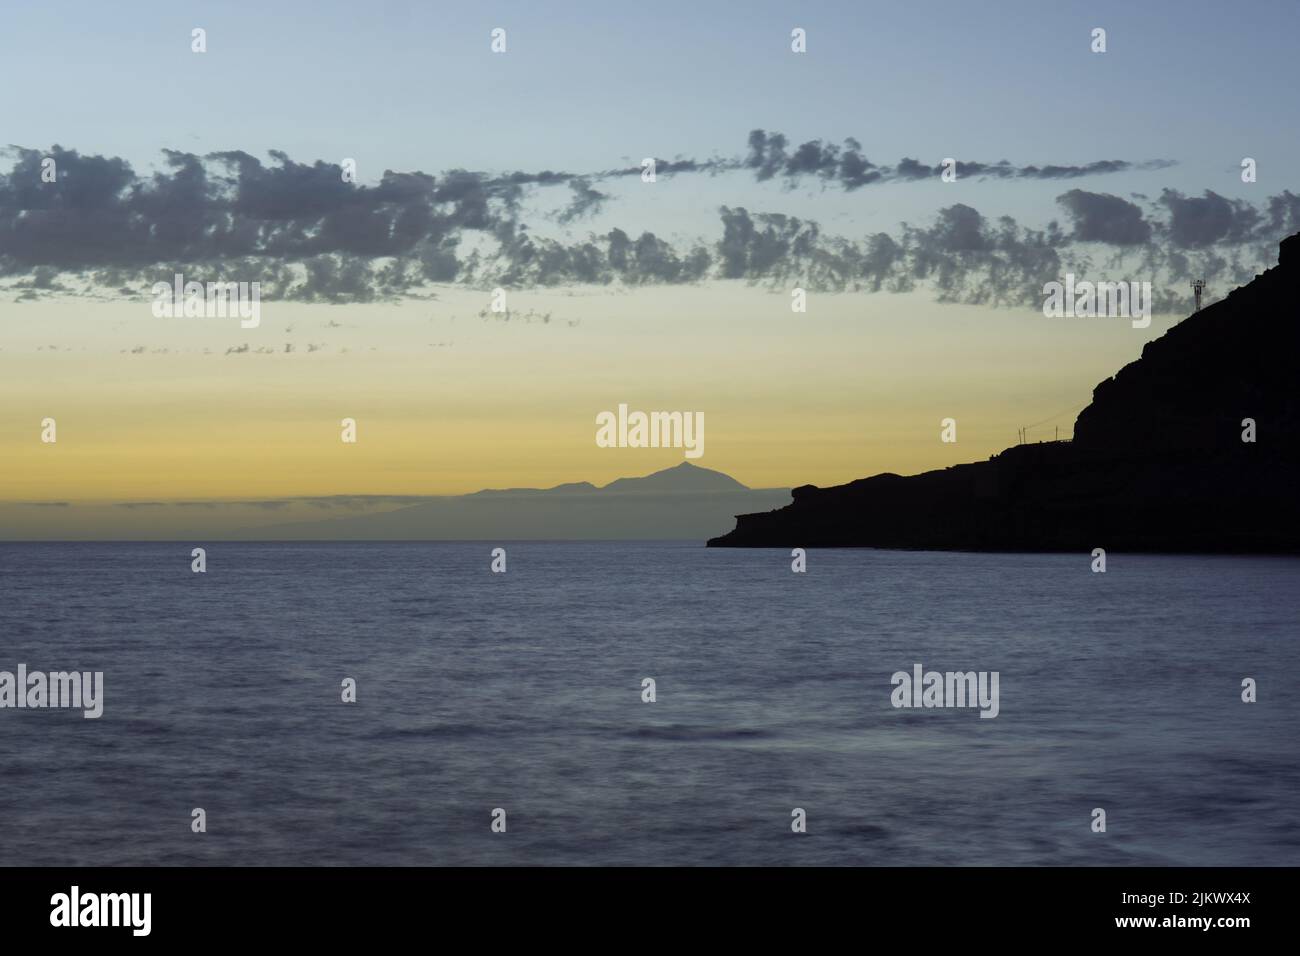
305, 233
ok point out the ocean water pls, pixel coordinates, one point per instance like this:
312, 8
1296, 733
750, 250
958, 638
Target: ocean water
523, 691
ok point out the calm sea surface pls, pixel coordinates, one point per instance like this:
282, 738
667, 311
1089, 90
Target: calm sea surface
523, 691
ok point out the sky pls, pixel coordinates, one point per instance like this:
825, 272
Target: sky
520, 171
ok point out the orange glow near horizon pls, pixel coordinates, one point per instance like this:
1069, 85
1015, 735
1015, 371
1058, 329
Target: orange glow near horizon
447, 402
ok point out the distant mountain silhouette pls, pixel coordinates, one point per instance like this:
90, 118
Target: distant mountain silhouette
685, 502
683, 478
680, 478
1157, 462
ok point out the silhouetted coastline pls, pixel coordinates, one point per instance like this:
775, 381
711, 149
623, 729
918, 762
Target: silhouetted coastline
1158, 461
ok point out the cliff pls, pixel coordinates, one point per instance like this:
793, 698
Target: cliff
1157, 462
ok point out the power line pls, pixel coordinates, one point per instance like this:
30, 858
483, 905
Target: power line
1072, 408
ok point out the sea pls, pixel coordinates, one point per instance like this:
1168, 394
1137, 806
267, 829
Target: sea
506, 719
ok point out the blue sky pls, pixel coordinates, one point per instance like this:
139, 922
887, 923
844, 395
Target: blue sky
409, 85
586, 87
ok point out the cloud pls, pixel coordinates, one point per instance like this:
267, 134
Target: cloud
306, 233
845, 166
1199, 222
1101, 217
963, 256
586, 201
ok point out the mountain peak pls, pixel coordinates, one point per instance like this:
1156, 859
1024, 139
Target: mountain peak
683, 477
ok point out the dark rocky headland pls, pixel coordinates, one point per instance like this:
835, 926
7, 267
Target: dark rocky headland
1157, 462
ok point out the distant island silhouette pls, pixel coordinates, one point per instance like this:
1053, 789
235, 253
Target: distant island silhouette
1158, 461
685, 502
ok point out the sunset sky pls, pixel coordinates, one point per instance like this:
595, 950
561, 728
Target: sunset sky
521, 170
